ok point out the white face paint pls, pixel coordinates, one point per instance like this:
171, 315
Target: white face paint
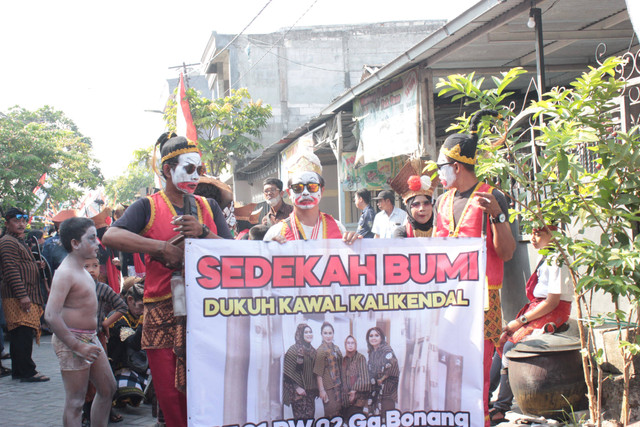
185, 175
305, 199
446, 172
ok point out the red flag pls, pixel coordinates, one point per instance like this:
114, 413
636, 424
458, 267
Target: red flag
184, 121
41, 181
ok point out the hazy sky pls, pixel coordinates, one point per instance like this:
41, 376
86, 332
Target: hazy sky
104, 64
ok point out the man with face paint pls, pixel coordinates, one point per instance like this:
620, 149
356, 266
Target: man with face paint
473, 209
273, 209
305, 188
148, 226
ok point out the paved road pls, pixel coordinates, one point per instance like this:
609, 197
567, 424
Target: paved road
41, 404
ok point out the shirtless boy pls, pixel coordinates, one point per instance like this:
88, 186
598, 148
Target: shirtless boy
72, 315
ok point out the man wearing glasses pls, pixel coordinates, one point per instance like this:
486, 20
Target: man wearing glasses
155, 225
305, 188
22, 300
273, 209
473, 209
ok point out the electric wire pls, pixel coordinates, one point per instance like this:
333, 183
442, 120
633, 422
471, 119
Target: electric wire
269, 50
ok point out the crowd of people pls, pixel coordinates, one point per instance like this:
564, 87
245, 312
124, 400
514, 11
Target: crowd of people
116, 337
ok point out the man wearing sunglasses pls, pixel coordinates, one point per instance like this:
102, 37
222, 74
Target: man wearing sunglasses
473, 209
156, 225
305, 188
389, 218
22, 300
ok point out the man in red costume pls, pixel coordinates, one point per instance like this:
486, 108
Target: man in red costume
150, 225
305, 188
473, 209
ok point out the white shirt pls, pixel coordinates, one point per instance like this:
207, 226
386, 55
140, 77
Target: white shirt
384, 225
276, 229
553, 280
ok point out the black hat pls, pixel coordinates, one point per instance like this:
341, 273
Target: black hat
386, 194
461, 147
172, 145
13, 212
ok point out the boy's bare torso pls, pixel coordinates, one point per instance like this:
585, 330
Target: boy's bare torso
81, 303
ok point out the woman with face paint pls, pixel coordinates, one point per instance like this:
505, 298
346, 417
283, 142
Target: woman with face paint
416, 192
305, 188
328, 373
150, 225
299, 386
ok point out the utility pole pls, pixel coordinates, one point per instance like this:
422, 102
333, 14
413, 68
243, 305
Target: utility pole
185, 71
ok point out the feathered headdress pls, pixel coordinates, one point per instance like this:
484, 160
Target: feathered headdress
409, 181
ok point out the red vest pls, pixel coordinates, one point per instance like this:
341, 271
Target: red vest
330, 229
157, 286
470, 225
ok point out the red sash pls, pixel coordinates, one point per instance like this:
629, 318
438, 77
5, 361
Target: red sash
157, 285
138, 264
325, 225
470, 225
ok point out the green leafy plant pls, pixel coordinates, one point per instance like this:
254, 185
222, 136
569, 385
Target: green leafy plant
224, 125
582, 171
43, 141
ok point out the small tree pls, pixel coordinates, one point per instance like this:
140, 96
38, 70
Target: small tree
139, 174
224, 125
43, 141
600, 197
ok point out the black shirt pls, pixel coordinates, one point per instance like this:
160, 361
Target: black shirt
137, 216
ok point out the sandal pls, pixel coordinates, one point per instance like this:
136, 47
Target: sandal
114, 417
37, 378
4, 371
496, 416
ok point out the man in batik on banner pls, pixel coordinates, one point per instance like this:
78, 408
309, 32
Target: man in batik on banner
155, 225
473, 209
305, 188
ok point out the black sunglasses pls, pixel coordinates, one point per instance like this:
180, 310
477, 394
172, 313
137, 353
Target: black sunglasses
191, 168
313, 187
444, 164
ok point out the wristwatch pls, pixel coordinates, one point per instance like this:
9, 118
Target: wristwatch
523, 319
499, 219
205, 232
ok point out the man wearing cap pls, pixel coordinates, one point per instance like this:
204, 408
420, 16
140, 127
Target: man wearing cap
273, 209
52, 249
154, 225
473, 209
22, 300
305, 188
389, 218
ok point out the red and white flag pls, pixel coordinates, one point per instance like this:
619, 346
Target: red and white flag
41, 181
184, 121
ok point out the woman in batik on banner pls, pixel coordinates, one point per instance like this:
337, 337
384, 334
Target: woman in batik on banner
327, 370
355, 380
383, 372
299, 386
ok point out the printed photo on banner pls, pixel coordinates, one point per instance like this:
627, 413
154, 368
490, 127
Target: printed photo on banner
318, 333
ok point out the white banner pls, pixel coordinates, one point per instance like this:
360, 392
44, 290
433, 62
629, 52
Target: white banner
387, 118
245, 300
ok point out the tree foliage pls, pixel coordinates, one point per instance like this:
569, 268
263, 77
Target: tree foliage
224, 125
583, 172
139, 175
43, 141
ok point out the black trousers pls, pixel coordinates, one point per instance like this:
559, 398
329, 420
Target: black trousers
22, 365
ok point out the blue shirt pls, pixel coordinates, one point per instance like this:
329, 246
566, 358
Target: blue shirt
366, 222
